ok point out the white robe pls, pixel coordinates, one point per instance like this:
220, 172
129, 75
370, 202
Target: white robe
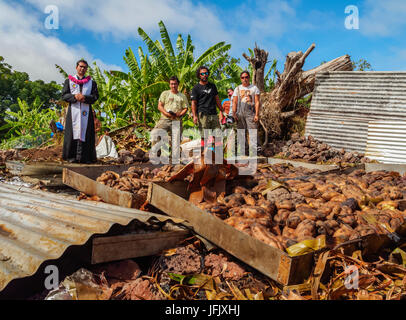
80, 110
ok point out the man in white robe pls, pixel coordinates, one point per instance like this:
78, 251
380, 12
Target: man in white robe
79, 139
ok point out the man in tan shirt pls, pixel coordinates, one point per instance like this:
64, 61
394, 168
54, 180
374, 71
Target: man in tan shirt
173, 106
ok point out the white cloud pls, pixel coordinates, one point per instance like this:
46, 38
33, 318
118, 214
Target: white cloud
383, 18
26, 49
208, 24
121, 18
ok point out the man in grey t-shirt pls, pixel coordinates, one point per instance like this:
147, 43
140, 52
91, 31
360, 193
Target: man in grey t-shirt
246, 106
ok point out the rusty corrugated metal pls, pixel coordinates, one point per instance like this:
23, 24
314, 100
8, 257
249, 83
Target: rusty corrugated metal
387, 141
37, 226
345, 101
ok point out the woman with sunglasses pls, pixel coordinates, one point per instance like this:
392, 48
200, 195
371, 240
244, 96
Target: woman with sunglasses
246, 106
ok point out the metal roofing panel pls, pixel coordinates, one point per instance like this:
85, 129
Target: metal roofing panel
387, 141
344, 102
36, 226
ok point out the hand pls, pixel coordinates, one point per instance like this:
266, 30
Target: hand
195, 120
80, 97
235, 117
256, 118
170, 116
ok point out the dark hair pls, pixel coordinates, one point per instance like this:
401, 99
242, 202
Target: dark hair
245, 71
174, 78
201, 68
230, 89
81, 60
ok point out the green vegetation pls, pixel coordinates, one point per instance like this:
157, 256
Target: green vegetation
361, 65
29, 126
15, 85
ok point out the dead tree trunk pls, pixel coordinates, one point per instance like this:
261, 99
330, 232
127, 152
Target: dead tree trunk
258, 63
293, 84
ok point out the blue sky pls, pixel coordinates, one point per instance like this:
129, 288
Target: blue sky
101, 30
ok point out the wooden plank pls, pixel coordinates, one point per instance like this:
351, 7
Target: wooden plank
92, 171
83, 179
93, 188
35, 168
400, 168
46, 167
245, 159
46, 180
311, 166
272, 262
107, 249
95, 172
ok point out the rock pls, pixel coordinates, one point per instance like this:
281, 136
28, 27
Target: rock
139, 290
219, 264
122, 270
184, 261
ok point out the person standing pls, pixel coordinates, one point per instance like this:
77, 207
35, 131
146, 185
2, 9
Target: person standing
227, 105
79, 139
173, 105
205, 98
246, 106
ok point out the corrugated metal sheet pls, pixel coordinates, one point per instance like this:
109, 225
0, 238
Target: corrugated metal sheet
345, 101
37, 226
387, 141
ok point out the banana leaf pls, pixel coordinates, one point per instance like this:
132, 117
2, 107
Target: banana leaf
272, 185
200, 280
306, 246
400, 255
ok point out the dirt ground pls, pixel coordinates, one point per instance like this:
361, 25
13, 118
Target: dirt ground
52, 153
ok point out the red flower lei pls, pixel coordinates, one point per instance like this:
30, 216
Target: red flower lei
83, 81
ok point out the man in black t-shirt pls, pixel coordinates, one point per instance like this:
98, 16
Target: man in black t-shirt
204, 101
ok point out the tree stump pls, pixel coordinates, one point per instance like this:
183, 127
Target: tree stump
293, 84
258, 63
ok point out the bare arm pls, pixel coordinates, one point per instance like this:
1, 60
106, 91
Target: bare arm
194, 111
184, 110
161, 109
257, 106
235, 101
218, 102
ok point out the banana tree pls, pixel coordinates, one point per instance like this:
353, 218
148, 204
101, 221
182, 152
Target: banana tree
143, 84
113, 100
181, 62
29, 123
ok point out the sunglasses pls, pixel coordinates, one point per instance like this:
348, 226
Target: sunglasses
246, 77
204, 74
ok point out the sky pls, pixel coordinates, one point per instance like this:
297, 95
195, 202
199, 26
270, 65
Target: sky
37, 34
